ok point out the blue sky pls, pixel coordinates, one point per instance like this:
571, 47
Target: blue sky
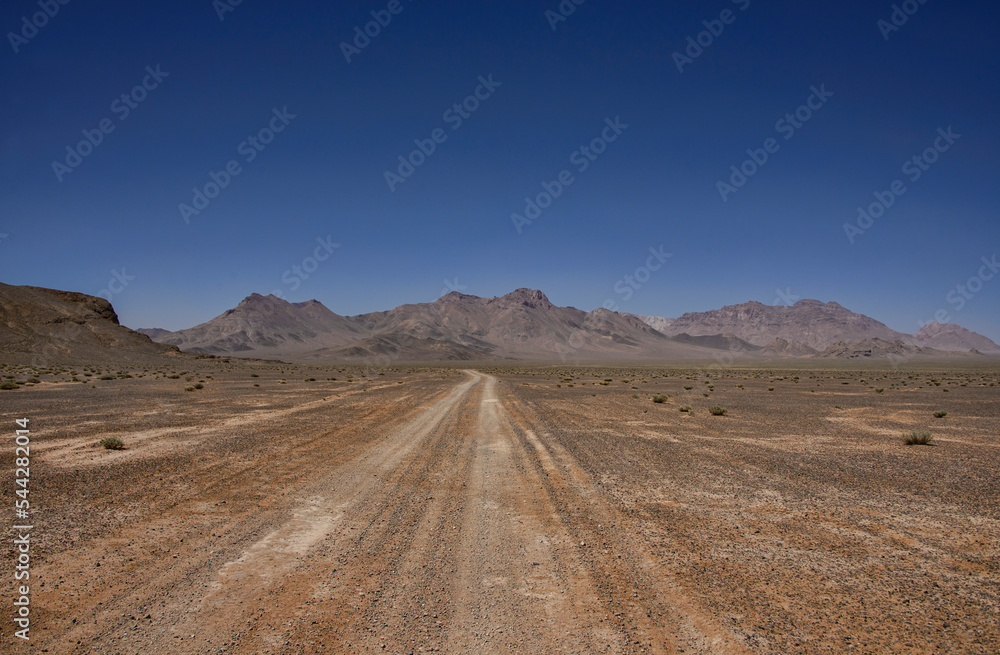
110, 222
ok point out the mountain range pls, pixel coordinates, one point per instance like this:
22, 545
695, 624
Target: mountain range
525, 325
42, 324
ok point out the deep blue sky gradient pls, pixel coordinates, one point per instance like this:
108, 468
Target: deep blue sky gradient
656, 184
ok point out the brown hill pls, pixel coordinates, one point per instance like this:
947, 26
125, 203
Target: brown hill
951, 337
263, 326
810, 323
42, 326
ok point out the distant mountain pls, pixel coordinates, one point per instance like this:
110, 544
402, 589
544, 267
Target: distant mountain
810, 323
951, 337
267, 325
43, 326
658, 323
522, 325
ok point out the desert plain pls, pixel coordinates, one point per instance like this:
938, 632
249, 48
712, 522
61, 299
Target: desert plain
262, 507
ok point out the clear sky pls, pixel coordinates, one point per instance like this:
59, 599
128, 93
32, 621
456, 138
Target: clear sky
115, 114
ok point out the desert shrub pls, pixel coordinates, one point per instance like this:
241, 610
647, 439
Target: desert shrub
112, 443
199, 386
310, 379
940, 413
254, 375
174, 377
659, 398
879, 390
770, 388
684, 408
106, 377
688, 387
7, 386
188, 388
717, 411
917, 438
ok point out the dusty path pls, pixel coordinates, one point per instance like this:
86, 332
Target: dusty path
456, 529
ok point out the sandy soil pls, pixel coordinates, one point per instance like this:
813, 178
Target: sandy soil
506, 510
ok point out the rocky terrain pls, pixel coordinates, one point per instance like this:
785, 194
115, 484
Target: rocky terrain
268, 508
37, 325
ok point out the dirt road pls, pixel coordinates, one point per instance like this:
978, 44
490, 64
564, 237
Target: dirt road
438, 521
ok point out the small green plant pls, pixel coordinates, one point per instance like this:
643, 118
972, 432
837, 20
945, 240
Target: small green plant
717, 411
112, 443
684, 408
917, 438
940, 413
659, 398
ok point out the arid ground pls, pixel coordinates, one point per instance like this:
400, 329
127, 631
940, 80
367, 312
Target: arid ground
506, 510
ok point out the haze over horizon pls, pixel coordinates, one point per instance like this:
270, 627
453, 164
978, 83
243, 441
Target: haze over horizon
592, 110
